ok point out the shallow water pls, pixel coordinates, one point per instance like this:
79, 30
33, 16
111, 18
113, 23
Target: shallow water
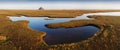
63, 35
106, 13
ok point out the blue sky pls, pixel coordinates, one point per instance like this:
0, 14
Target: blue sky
55, 0
60, 4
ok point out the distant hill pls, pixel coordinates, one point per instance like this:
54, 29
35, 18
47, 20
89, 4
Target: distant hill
41, 8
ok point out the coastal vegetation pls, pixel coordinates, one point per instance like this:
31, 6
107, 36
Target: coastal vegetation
19, 36
51, 13
106, 39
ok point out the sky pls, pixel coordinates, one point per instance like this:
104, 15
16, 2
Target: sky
59, 4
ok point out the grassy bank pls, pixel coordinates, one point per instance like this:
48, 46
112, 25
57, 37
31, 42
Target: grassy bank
106, 39
50, 13
19, 36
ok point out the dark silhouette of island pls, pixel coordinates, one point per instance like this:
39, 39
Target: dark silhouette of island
41, 8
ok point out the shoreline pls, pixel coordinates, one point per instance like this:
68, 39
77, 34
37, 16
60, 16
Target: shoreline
51, 13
